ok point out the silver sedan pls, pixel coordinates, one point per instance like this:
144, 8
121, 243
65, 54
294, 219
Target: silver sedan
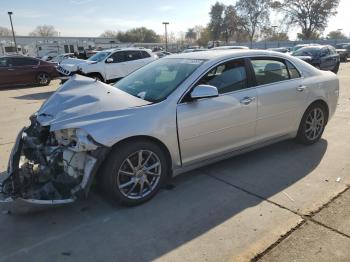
170, 116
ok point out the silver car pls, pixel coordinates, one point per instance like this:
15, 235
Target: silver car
172, 115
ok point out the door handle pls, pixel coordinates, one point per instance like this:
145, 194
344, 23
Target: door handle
10, 69
247, 100
301, 88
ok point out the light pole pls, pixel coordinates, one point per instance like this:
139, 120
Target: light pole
166, 35
13, 32
274, 34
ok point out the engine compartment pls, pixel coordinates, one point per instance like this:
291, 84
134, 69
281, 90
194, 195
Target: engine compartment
45, 167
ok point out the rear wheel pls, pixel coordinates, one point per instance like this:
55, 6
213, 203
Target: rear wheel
43, 79
312, 124
134, 172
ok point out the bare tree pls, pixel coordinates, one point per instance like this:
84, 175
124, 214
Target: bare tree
109, 34
191, 35
254, 15
5, 31
310, 15
44, 31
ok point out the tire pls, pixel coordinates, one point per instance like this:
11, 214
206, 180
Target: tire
96, 77
125, 179
43, 79
336, 68
311, 129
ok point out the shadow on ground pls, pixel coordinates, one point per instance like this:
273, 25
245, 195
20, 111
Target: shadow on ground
199, 202
35, 96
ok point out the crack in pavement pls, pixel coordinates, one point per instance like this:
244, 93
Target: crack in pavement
305, 218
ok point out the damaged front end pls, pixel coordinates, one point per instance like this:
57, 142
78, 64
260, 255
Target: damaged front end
50, 168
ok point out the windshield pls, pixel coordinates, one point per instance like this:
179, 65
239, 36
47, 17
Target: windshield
156, 81
99, 56
307, 51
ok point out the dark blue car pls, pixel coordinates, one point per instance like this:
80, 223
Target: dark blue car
323, 57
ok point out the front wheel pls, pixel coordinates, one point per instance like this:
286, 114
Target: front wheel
134, 172
312, 124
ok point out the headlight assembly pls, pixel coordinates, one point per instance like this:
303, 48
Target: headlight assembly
76, 139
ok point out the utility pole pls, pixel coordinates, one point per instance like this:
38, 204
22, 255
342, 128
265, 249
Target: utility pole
13, 32
166, 35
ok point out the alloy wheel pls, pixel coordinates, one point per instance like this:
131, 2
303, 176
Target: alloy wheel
139, 174
43, 79
314, 123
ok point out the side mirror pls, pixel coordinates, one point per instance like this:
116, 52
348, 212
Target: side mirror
204, 91
109, 60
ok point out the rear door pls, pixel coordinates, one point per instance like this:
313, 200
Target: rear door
134, 61
280, 96
7, 73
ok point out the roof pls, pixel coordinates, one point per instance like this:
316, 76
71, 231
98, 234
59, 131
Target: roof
125, 48
223, 54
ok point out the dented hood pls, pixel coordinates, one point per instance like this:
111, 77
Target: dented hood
85, 103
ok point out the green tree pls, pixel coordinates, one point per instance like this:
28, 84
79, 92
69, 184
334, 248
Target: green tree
254, 15
232, 23
44, 31
310, 15
205, 37
140, 35
216, 20
336, 35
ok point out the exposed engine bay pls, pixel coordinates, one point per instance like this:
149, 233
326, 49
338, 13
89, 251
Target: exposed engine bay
51, 167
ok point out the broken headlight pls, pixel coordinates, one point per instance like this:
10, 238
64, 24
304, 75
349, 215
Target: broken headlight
76, 139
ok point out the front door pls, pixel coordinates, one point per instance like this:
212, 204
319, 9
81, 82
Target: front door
116, 69
213, 126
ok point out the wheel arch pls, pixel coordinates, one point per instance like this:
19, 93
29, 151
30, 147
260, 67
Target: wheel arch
322, 102
150, 139
94, 74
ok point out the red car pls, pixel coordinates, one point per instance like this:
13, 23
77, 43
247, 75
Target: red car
22, 70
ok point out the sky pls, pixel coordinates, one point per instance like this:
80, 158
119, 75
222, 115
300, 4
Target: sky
93, 17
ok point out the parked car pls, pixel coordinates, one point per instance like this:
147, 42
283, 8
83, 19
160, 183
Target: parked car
161, 54
58, 59
191, 50
23, 70
279, 49
226, 47
344, 51
172, 115
297, 47
323, 57
108, 65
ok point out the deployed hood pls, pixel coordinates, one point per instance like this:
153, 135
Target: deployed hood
83, 102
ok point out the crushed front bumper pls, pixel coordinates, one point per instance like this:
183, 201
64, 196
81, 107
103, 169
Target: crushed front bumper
10, 182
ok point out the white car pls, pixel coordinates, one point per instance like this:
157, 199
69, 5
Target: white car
110, 64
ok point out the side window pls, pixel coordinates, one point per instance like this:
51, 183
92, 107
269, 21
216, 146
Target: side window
227, 77
293, 72
3, 62
269, 71
19, 61
325, 52
132, 55
145, 54
118, 57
